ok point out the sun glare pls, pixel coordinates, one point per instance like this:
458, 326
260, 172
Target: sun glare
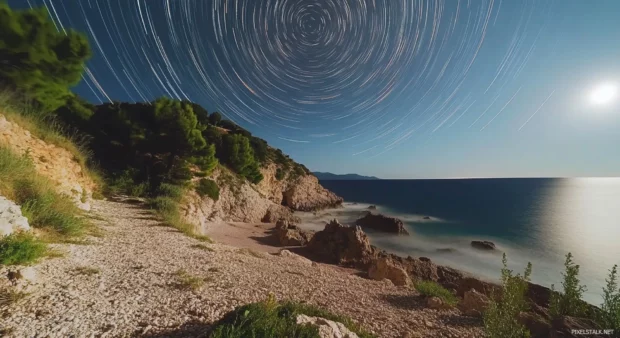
604, 94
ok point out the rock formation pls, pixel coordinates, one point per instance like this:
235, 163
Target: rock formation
483, 245
291, 235
382, 223
474, 303
343, 245
384, 268
11, 218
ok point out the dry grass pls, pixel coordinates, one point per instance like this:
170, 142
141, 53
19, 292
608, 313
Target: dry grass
202, 247
185, 281
86, 271
250, 252
10, 296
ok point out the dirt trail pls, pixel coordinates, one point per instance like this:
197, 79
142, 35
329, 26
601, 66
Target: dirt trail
134, 281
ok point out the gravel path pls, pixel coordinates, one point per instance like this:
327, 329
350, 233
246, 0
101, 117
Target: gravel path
129, 283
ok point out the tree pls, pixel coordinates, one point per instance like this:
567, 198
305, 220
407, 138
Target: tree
568, 303
227, 124
260, 148
215, 118
239, 156
610, 309
201, 114
36, 60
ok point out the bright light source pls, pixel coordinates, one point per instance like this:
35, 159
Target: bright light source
604, 94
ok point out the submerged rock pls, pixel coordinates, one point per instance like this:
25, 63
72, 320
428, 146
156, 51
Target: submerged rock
483, 245
382, 223
372, 207
426, 217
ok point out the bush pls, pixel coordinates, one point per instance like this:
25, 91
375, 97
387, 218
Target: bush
610, 309
209, 188
432, 289
238, 155
272, 319
38, 61
20, 249
501, 317
568, 303
215, 118
280, 174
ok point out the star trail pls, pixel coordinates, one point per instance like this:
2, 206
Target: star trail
368, 75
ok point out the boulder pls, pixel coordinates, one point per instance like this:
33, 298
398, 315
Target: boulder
342, 244
289, 255
419, 268
474, 303
426, 217
483, 245
11, 218
372, 207
277, 212
291, 235
470, 283
382, 223
327, 328
306, 194
436, 303
385, 268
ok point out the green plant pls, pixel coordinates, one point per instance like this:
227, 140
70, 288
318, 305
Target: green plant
273, 319
39, 61
609, 317
568, 302
280, 174
186, 281
501, 316
209, 188
20, 248
433, 289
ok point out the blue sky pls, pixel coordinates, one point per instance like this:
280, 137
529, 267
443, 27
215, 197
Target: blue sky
401, 90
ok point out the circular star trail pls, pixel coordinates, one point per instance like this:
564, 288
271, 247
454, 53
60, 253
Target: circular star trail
368, 74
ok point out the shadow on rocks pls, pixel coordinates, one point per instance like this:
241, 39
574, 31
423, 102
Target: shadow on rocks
406, 302
460, 320
193, 329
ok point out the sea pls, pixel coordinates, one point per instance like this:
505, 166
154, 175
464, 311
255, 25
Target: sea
537, 220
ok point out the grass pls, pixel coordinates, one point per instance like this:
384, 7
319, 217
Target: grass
202, 247
273, 319
49, 130
209, 188
433, 289
87, 271
20, 249
187, 281
40, 203
9, 296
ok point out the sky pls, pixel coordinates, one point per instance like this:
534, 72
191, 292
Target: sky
389, 88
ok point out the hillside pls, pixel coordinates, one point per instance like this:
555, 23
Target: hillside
335, 177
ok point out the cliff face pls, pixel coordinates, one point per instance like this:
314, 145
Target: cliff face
51, 161
270, 200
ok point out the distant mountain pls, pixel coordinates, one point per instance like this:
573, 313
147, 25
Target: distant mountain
334, 177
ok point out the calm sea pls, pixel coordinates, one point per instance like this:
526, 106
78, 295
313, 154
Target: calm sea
536, 220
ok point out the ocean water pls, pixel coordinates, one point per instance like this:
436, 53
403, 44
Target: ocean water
532, 220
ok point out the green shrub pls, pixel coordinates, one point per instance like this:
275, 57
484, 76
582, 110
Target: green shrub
272, 319
610, 309
568, 302
208, 188
172, 191
20, 248
280, 174
215, 118
433, 289
501, 317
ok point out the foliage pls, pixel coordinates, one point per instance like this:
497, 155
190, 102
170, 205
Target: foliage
237, 154
433, 289
501, 316
209, 188
260, 149
227, 124
568, 303
187, 281
38, 61
280, 174
215, 118
41, 204
20, 248
610, 309
272, 319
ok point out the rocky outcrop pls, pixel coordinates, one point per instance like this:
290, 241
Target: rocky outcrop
384, 268
382, 223
51, 161
327, 328
483, 245
11, 218
474, 303
343, 245
303, 193
277, 212
291, 235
